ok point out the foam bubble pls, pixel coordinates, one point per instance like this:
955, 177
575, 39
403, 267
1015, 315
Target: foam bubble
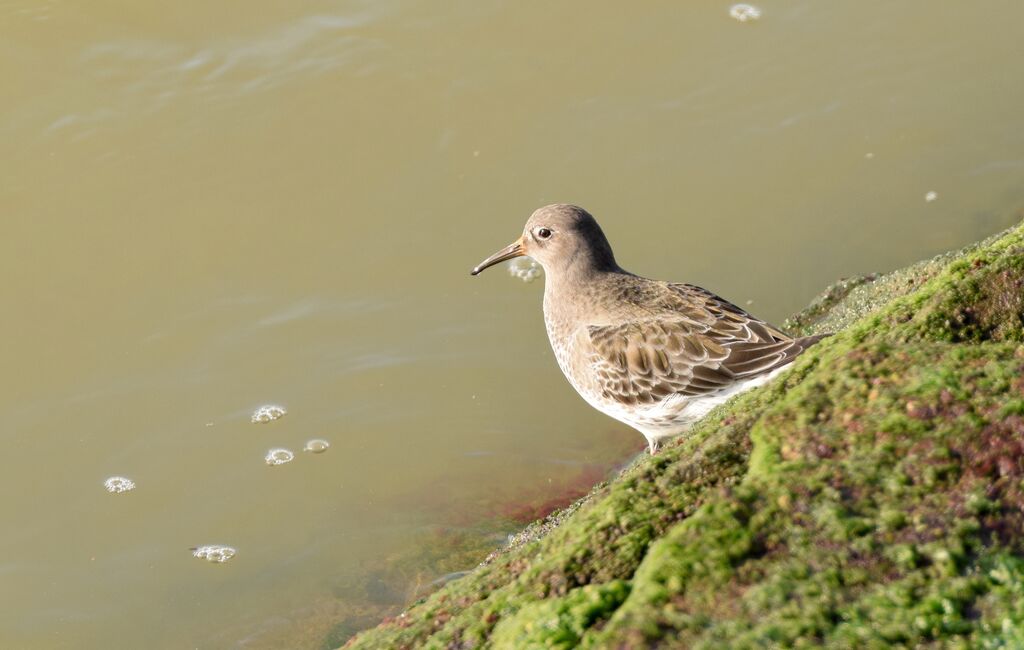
744, 12
525, 269
217, 553
268, 413
119, 484
279, 457
931, 196
316, 446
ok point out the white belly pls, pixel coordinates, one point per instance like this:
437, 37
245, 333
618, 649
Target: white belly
671, 416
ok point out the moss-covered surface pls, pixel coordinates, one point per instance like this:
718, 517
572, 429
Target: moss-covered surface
873, 496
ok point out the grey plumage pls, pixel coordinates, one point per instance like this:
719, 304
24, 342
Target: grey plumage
655, 355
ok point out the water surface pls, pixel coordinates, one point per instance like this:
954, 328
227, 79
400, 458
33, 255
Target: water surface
207, 209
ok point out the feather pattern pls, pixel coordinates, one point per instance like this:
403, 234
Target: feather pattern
659, 355
655, 355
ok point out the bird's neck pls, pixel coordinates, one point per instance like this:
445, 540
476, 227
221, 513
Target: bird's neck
573, 296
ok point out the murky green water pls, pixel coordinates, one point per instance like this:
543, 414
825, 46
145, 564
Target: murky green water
207, 208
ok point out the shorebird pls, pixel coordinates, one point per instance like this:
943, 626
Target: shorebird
654, 355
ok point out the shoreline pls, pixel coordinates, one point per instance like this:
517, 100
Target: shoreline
873, 493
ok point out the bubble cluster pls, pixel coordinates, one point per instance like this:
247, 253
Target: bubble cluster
279, 457
217, 553
744, 12
316, 446
268, 413
119, 484
525, 269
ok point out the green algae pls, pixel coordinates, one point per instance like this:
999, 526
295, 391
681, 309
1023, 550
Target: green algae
560, 622
873, 496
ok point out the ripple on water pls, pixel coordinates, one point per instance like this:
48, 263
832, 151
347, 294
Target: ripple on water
119, 484
744, 12
268, 413
316, 446
279, 457
217, 553
525, 269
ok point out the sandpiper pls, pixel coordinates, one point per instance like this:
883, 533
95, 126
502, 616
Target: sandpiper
655, 355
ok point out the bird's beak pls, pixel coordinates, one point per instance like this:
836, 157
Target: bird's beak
515, 249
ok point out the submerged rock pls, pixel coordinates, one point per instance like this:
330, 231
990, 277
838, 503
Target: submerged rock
871, 496
744, 12
316, 446
119, 484
216, 553
279, 456
268, 413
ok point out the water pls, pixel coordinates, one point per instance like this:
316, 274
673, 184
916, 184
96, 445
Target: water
207, 211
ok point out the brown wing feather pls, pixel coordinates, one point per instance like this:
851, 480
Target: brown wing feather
720, 307
709, 345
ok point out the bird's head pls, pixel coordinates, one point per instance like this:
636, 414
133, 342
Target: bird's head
563, 239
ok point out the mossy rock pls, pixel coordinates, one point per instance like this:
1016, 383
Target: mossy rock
873, 496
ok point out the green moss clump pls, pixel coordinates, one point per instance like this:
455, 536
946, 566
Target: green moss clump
873, 496
875, 524
560, 622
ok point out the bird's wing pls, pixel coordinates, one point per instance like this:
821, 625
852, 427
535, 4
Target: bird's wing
700, 303
683, 340
643, 362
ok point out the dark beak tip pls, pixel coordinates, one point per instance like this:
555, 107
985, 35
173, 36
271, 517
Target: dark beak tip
514, 249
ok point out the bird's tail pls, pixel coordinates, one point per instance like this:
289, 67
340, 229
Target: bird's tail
801, 343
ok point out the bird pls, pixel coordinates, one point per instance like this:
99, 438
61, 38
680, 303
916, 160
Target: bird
654, 355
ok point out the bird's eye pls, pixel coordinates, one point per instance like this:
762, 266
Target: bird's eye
543, 233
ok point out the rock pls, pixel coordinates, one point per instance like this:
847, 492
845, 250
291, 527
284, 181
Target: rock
871, 496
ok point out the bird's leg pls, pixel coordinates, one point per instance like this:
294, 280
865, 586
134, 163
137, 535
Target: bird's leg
652, 445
